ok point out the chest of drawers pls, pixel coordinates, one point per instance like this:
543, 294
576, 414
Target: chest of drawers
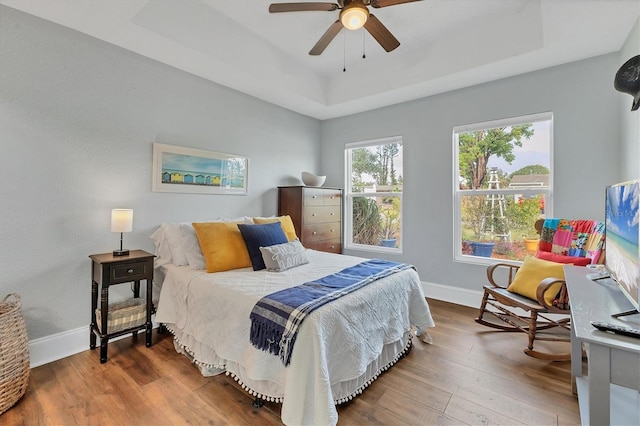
316, 214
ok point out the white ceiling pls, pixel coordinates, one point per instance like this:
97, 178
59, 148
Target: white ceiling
445, 44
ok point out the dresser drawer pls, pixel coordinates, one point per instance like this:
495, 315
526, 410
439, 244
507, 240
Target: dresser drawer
130, 271
332, 198
322, 231
331, 246
321, 214
313, 197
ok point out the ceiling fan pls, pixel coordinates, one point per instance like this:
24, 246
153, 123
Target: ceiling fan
354, 14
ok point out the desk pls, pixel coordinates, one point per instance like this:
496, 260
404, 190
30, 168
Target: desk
610, 393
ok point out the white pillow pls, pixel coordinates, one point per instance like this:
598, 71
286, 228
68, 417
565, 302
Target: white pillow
177, 246
191, 245
174, 238
162, 250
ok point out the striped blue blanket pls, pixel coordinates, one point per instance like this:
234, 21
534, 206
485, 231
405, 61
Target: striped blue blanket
275, 319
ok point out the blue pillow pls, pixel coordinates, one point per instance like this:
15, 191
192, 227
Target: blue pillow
264, 235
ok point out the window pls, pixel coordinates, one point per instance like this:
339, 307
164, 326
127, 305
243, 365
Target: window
502, 185
373, 196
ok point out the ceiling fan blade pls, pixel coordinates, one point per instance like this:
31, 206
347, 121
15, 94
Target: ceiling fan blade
326, 38
301, 7
384, 3
381, 33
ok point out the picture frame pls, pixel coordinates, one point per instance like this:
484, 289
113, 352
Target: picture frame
197, 171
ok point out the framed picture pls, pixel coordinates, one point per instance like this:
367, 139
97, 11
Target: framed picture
196, 171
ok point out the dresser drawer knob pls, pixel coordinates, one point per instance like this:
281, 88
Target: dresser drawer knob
332, 214
130, 271
314, 214
315, 196
331, 230
314, 233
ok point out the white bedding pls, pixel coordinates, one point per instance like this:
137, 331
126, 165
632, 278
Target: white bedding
340, 348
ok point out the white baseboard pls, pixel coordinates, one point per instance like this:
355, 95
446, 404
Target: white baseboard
447, 293
61, 345
57, 346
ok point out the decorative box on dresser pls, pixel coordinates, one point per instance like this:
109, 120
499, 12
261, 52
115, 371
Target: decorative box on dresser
316, 214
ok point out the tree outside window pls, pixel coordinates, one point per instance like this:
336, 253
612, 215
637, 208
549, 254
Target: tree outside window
374, 194
503, 186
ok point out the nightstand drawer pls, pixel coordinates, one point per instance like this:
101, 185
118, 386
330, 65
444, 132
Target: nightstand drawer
130, 271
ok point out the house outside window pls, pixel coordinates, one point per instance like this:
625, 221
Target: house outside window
373, 195
502, 184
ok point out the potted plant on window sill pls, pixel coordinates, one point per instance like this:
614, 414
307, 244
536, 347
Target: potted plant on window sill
389, 227
531, 242
475, 214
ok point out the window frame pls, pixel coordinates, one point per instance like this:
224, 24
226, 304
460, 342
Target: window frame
349, 195
458, 193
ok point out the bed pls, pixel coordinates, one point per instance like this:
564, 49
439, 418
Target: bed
340, 348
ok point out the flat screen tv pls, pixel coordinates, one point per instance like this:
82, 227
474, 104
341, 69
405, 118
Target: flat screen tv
622, 233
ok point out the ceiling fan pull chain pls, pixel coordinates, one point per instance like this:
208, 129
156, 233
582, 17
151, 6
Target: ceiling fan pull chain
344, 52
364, 36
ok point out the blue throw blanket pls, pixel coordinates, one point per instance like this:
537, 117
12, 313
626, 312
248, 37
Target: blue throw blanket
275, 319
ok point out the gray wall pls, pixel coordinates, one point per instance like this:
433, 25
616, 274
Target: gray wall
78, 119
586, 152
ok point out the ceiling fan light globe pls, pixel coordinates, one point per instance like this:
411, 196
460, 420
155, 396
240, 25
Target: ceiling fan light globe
354, 17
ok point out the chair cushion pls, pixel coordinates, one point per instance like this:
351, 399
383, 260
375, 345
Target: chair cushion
530, 274
560, 258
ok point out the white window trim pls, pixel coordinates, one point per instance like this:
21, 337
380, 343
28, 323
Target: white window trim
458, 193
349, 195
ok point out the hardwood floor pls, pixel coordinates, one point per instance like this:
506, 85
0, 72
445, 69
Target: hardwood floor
469, 375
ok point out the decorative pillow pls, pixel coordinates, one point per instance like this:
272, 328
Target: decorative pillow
287, 224
281, 257
530, 274
222, 246
191, 246
264, 235
560, 258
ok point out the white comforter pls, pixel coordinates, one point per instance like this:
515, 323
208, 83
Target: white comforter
339, 349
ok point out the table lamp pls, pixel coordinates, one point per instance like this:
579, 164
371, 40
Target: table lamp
121, 221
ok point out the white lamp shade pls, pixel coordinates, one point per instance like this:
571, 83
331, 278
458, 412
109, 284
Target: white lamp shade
121, 220
354, 17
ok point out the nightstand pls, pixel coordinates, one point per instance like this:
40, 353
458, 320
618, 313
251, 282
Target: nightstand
127, 317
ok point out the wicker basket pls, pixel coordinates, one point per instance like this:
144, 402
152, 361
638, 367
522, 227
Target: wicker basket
14, 353
123, 315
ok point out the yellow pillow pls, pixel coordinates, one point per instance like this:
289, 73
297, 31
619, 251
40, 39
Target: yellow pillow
532, 271
285, 221
222, 246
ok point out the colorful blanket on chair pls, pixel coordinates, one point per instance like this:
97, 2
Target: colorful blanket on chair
579, 238
275, 319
